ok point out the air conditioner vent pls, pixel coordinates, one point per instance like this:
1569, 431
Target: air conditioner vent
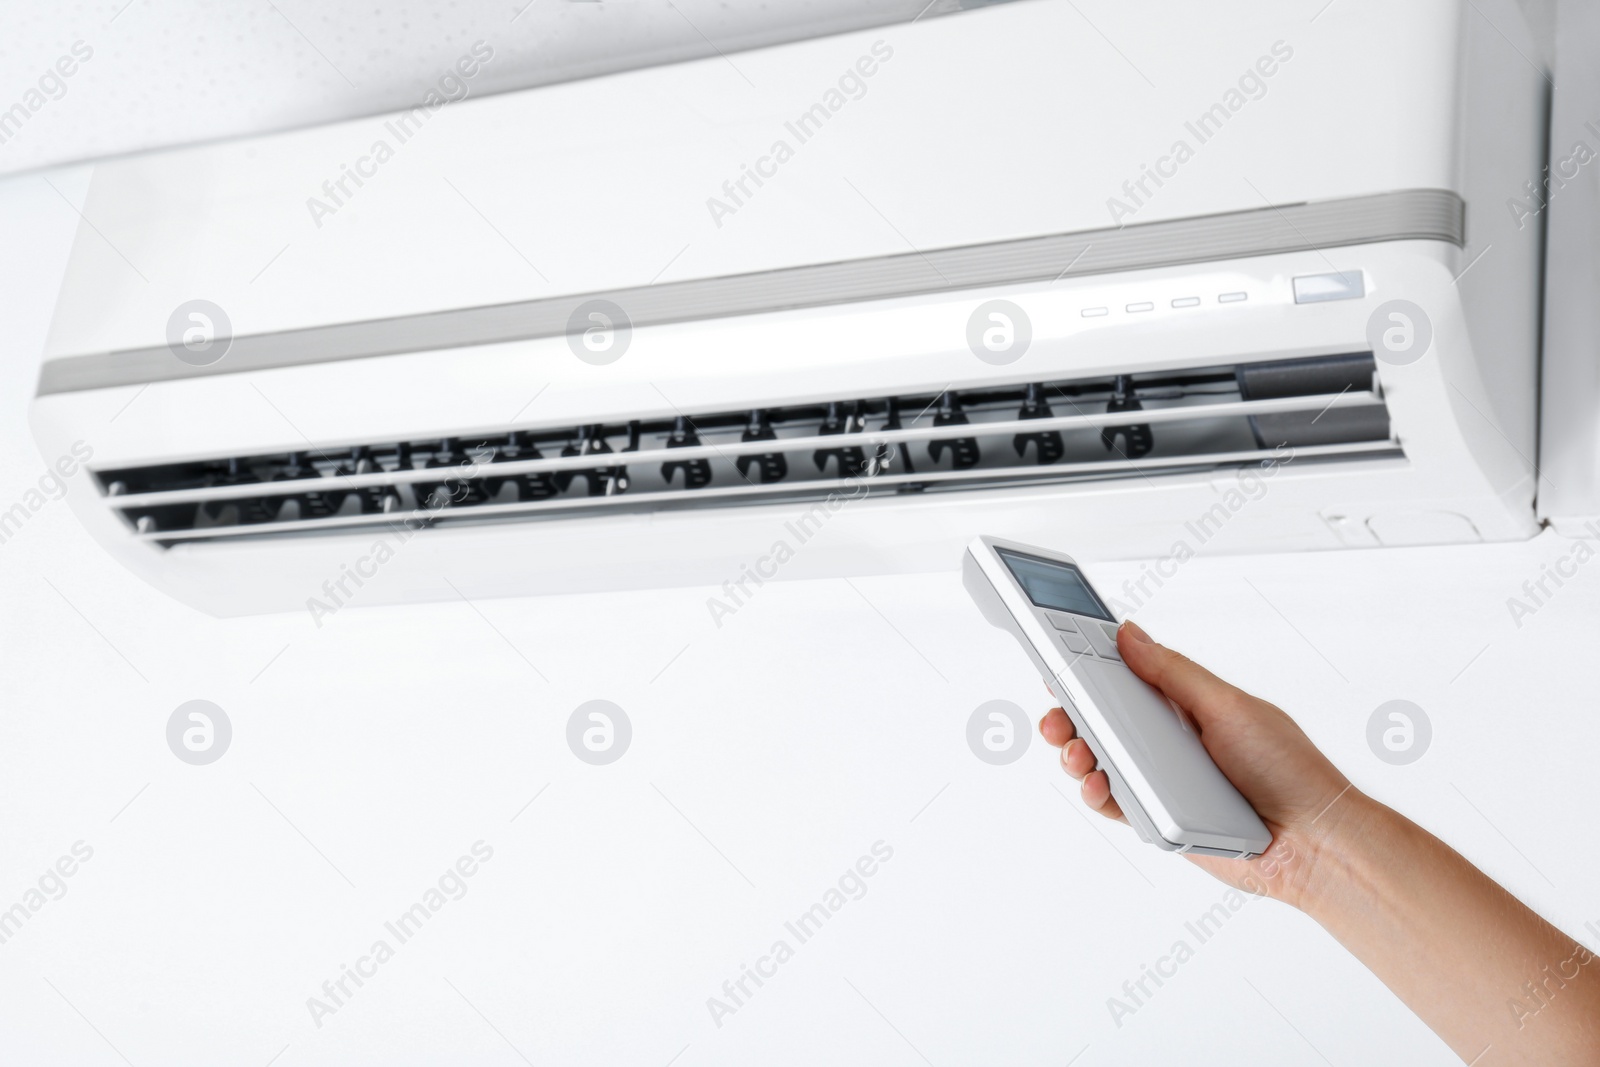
971, 439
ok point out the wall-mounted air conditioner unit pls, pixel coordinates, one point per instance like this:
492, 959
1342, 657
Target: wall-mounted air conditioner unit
1247, 282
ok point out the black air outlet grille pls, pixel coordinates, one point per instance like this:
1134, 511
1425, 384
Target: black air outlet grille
968, 439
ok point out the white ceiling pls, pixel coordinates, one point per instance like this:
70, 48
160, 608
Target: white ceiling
167, 72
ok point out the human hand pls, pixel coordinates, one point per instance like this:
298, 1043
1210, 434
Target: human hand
1296, 790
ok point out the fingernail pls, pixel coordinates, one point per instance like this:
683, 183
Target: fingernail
1137, 634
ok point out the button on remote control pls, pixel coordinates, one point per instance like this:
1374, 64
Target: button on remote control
1061, 621
1103, 635
1075, 643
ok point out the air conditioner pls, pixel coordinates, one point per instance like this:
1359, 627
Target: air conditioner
1227, 280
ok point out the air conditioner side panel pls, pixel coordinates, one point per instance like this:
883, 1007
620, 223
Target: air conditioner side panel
1503, 120
1569, 491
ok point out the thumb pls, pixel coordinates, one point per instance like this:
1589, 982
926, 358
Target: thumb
1195, 689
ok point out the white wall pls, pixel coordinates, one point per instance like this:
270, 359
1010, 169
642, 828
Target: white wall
768, 756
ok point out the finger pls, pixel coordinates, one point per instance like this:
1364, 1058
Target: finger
1096, 794
1196, 689
1077, 759
1056, 727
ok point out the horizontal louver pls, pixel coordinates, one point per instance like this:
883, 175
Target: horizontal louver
970, 439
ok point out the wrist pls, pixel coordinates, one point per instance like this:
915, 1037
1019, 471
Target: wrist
1339, 845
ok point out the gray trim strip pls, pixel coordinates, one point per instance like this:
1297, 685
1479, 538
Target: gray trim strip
1408, 215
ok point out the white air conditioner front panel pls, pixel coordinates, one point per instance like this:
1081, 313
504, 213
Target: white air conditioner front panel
1444, 458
